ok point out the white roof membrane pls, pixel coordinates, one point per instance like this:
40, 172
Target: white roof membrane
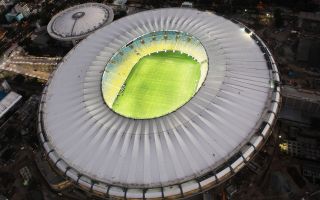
78, 21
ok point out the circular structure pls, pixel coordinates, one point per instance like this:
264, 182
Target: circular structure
204, 141
134, 79
79, 21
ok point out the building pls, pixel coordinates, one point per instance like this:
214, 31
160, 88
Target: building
309, 21
54, 180
298, 117
3, 197
26, 175
19, 17
7, 3
26, 115
119, 2
8, 102
5, 86
307, 52
305, 148
197, 145
187, 4
77, 22
311, 171
299, 105
23, 8
10, 16
2, 33
19, 12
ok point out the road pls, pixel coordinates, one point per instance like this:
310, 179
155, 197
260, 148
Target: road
38, 67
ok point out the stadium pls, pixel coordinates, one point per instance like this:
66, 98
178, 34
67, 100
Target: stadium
164, 103
79, 21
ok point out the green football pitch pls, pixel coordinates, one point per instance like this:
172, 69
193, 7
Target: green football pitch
157, 85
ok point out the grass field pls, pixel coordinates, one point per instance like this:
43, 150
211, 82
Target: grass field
158, 84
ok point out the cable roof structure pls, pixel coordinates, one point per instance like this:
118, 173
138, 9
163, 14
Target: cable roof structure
196, 147
79, 21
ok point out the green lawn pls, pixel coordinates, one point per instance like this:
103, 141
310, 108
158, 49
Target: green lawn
158, 84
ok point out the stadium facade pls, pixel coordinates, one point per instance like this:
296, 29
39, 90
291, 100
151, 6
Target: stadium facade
181, 153
79, 21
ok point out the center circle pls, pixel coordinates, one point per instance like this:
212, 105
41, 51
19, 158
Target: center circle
154, 74
78, 15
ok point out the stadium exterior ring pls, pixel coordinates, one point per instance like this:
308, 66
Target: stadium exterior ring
198, 146
79, 21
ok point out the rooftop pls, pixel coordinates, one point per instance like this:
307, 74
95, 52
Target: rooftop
8, 102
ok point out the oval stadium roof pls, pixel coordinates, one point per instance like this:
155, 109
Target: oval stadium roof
78, 21
199, 145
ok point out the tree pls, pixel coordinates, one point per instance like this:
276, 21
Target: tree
278, 20
19, 79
